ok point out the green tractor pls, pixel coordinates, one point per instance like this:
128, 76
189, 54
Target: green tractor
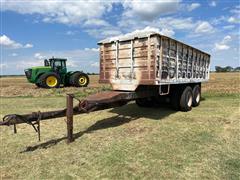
54, 73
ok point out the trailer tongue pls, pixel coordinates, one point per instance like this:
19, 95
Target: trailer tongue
96, 102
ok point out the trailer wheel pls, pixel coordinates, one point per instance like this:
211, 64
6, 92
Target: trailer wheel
196, 95
79, 79
186, 99
145, 102
49, 80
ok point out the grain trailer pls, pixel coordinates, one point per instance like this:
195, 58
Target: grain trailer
147, 67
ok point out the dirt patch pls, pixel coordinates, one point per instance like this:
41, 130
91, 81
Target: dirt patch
19, 87
220, 83
224, 83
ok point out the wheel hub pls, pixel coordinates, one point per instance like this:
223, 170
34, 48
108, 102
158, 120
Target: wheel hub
189, 101
198, 97
51, 81
82, 81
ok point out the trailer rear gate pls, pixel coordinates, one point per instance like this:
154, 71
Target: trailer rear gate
151, 59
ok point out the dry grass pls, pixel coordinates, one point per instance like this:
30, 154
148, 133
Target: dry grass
129, 142
19, 87
222, 83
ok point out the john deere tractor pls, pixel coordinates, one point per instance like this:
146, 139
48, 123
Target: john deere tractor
54, 73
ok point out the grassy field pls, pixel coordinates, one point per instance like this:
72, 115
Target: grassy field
127, 142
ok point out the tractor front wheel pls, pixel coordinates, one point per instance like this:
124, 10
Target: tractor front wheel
49, 80
79, 79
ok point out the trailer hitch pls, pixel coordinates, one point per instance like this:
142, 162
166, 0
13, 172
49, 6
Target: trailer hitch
16, 117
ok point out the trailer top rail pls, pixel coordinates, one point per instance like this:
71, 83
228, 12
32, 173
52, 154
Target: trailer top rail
139, 35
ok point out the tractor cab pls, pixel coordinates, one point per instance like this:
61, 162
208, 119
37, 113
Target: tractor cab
57, 64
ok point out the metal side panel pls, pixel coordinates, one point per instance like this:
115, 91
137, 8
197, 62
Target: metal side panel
182, 63
127, 64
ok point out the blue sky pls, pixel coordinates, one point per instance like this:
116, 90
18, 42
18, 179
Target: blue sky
34, 30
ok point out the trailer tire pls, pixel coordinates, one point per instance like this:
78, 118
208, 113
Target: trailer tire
186, 99
79, 79
49, 80
196, 95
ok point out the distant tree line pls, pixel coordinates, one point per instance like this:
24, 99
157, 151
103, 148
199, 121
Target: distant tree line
92, 73
227, 69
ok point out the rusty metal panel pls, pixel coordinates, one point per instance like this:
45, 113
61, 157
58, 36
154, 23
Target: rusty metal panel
125, 64
152, 59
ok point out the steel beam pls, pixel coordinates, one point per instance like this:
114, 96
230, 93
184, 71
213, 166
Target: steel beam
69, 115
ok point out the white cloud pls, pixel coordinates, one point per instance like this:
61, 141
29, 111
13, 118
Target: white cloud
193, 6
23, 64
6, 42
65, 12
227, 39
218, 20
39, 56
167, 32
146, 31
176, 23
213, 4
3, 66
149, 10
223, 45
96, 22
229, 27
71, 63
14, 54
92, 49
70, 33
95, 64
104, 32
172, 24
90, 13
135, 33
204, 27
235, 10
169, 23
28, 46
233, 20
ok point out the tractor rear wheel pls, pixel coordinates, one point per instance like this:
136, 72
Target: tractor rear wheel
79, 79
38, 84
49, 80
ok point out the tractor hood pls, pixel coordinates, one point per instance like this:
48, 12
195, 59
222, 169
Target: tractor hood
33, 73
40, 67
